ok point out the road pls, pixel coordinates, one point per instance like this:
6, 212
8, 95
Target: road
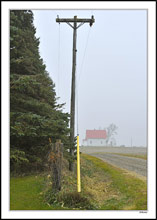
106, 154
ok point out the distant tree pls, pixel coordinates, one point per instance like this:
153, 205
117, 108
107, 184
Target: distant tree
111, 131
34, 114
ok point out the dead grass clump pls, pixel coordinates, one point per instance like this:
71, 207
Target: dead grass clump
75, 200
99, 190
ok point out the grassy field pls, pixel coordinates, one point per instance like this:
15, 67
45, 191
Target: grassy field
140, 156
144, 156
123, 191
26, 193
104, 187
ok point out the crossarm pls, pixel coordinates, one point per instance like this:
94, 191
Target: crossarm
82, 20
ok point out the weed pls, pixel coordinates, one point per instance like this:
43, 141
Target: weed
68, 200
75, 200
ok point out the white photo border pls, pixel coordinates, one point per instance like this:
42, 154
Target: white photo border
93, 5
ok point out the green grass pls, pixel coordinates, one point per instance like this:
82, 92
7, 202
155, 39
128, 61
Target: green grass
144, 156
26, 193
130, 193
103, 187
141, 156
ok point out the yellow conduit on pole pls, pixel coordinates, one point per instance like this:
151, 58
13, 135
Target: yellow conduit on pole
78, 167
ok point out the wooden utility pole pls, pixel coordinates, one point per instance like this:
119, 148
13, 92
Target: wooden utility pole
81, 21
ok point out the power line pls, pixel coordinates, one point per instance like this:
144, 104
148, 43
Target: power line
81, 69
77, 111
78, 79
58, 59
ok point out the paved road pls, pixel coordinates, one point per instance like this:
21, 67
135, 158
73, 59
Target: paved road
129, 163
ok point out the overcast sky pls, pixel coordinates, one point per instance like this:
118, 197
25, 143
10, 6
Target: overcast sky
111, 68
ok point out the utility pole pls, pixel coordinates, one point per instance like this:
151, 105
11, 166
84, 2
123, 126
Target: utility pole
75, 21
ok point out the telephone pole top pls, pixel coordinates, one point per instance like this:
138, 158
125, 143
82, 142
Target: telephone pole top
76, 20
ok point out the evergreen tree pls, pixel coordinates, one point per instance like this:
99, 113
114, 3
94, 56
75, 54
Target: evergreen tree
34, 114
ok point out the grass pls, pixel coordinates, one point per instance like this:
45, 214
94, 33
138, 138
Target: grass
26, 193
26, 189
125, 191
103, 187
141, 156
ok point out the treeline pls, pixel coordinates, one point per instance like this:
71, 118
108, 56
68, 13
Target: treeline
34, 114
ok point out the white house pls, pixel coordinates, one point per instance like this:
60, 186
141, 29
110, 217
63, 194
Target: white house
95, 138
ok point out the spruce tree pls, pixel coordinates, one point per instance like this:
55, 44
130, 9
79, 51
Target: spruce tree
34, 114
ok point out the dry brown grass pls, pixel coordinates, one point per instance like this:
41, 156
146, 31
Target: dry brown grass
113, 188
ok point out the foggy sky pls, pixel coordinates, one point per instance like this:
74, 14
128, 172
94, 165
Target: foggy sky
111, 77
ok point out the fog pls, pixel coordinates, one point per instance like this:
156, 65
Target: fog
111, 69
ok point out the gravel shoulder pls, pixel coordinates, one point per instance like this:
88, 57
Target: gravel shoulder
106, 154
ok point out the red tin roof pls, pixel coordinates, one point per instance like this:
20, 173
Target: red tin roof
96, 134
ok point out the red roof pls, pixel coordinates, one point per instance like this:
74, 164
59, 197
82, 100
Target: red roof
96, 134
